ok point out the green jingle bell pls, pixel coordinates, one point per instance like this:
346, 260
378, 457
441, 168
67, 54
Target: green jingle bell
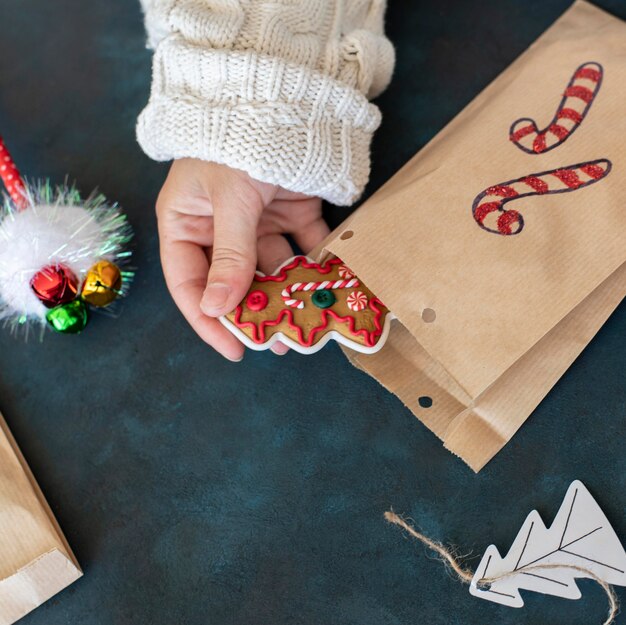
70, 318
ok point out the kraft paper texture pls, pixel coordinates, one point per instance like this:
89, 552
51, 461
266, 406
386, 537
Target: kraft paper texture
35, 560
512, 312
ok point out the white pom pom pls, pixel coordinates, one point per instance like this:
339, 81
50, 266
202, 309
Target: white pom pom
55, 228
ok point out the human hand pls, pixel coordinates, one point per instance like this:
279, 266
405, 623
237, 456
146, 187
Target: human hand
215, 224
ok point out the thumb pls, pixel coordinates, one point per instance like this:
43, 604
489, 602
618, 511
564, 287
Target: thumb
235, 217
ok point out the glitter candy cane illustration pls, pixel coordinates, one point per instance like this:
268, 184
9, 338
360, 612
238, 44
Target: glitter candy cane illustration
577, 99
490, 207
320, 287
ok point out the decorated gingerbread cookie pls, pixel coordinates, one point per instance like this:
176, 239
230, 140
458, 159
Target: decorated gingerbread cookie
305, 304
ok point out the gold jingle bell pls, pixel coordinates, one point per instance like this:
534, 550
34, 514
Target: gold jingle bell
102, 284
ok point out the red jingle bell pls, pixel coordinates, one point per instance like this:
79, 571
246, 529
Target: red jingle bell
54, 285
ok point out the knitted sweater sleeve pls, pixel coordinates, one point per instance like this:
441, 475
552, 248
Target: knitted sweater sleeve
277, 88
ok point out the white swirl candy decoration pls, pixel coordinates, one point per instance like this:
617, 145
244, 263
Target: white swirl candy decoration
345, 272
287, 293
357, 301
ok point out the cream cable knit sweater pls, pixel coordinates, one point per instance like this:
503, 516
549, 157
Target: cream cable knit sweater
277, 88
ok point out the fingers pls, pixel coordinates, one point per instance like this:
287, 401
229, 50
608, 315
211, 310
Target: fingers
220, 209
301, 217
185, 267
312, 235
236, 213
280, 349
273, 250
315, 231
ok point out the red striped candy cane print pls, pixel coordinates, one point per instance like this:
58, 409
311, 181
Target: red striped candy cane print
11, 177
489, 207
575, 104
288, 291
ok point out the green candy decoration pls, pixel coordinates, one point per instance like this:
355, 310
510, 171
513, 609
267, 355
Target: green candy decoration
323, 298
70, 318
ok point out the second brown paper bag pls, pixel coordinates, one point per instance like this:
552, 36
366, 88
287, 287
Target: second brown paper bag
487, 321
35, 560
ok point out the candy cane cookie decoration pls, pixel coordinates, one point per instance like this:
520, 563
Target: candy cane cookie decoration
578, 97
489, 208
331, 285
11, 177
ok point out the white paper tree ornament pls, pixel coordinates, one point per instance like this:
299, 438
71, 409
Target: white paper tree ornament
579, 543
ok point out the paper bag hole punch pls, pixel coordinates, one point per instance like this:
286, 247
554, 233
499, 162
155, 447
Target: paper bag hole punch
428, 315
425, 401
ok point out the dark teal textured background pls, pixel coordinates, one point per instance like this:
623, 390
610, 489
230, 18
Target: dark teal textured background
195, 491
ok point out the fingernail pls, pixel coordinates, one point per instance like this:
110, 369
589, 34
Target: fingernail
214, 298
273, 350
235, 359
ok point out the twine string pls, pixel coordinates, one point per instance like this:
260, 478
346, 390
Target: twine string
466, 576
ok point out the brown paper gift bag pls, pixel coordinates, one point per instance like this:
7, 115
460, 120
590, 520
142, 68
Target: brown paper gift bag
35, 560
487, 322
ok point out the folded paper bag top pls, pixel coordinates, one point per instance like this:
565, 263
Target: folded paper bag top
492, 237
35, 560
